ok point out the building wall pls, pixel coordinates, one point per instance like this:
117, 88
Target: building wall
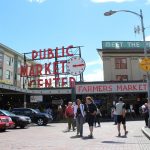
16, 60
133, 70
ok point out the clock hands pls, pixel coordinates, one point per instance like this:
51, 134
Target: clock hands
79, 65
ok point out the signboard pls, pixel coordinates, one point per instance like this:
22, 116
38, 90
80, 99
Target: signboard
51, 91
35, 98
61, 64
125, 44
144, 64
111, 88
57, 102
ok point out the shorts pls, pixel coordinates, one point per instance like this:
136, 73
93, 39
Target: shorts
91, 120
121, 119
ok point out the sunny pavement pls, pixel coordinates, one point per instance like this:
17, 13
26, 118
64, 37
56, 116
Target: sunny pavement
54, 137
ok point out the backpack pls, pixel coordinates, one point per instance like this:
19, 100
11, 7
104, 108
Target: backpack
69, 112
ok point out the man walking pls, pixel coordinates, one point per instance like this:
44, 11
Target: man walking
69, 114
120, 112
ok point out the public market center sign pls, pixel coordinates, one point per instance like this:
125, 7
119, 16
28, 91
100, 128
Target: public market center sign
61, 63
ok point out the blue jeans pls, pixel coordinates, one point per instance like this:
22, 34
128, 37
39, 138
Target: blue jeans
79, 124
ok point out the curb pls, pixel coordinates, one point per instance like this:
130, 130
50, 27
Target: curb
146, 132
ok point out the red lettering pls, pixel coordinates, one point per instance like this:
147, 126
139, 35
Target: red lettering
32, 82
34, 54
38, 69
56, 81
42, 54
24, 71
39, 82
50, 53
79, 88
135, 88
63, 66
95, 88
47, 69
48, 83
57, 53
119, 87
64, 81
130, 87
145, 87
84, 89
90, 89
67, 50
110, 88
72, 81
31, 73
55, 67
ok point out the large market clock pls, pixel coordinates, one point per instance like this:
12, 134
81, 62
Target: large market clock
75, 65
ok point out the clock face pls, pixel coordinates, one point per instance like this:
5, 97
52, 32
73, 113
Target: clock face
75, 65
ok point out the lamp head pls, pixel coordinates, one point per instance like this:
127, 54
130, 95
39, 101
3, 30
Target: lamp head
109, 13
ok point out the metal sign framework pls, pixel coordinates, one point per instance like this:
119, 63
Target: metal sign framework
28, 59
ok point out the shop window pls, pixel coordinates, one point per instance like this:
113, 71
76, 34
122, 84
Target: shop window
18, 77
18, 67
1, 72
120, 63
121, 77
144, 77
1, 59
8, 74
8, 60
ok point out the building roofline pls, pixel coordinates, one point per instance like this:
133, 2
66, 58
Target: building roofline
11, 50
110, 82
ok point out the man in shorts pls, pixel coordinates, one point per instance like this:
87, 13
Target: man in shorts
120, 112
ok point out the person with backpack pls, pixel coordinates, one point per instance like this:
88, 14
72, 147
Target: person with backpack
120, 112
79, 115
69, 114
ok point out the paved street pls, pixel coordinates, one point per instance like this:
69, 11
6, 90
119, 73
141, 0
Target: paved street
53, 137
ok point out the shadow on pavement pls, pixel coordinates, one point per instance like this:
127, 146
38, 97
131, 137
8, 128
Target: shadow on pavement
87, 138
74, 137
112, 142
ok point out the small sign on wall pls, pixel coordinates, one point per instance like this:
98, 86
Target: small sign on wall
36, 98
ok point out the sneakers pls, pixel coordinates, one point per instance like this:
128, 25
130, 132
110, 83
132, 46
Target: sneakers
90, 136
119, 134
126, 133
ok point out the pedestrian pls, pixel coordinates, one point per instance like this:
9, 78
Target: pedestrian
97, 117
145, 113
91, 113
69, 114
120, 112
114, 115
79, 115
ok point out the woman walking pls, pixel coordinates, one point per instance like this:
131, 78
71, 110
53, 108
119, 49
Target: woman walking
91, 113
79, 115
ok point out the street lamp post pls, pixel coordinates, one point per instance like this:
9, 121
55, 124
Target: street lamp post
111, 12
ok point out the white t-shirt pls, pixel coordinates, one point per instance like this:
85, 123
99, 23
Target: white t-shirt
120, 106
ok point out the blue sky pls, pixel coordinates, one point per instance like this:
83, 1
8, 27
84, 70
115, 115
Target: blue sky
35, 24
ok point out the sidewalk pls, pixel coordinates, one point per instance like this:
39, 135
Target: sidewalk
146, 131
55, 137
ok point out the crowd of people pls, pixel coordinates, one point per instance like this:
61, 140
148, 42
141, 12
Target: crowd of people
78, 113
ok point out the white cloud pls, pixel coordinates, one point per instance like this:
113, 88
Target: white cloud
106, 1
148, 2
96, 75
93, 63
148, 38
37, 1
